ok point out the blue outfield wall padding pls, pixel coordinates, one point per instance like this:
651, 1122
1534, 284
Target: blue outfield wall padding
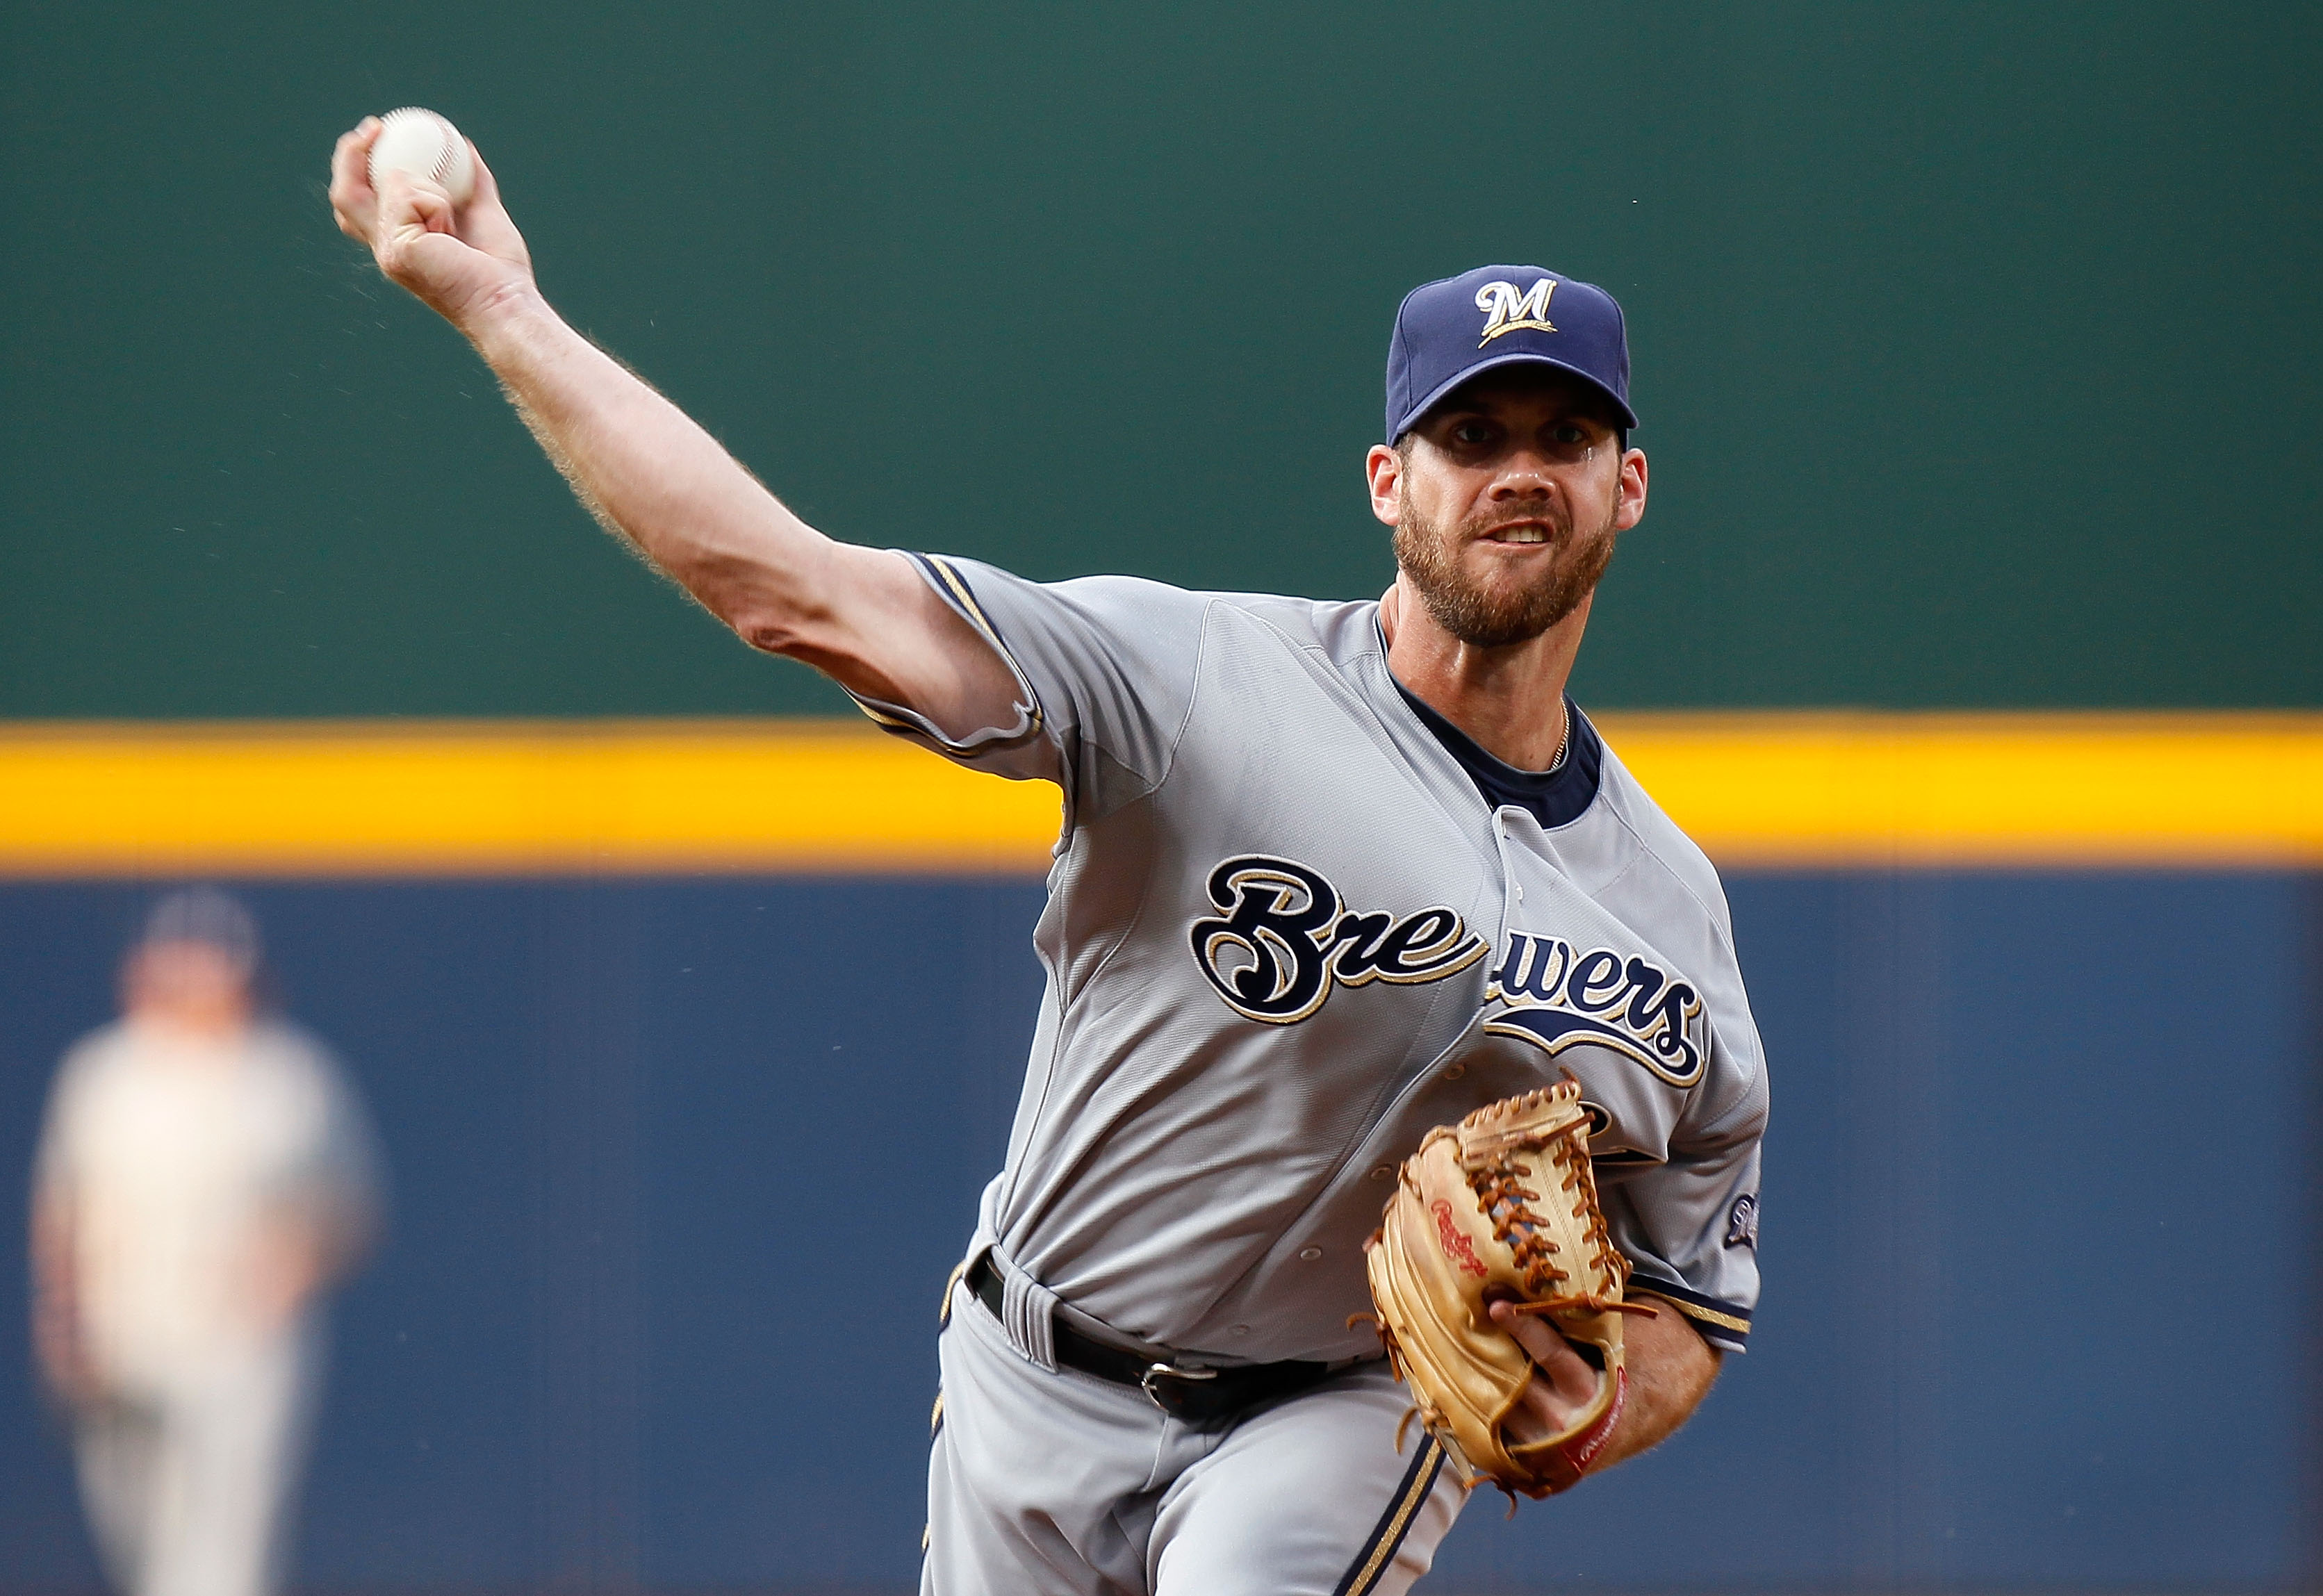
680, 1166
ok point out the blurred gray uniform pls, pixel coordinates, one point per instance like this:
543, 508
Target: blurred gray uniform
1286, 935
173, 1154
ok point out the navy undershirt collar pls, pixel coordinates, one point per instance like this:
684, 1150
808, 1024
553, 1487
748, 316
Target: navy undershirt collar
1553, 797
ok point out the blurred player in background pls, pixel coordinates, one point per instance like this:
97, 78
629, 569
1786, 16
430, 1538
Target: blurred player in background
205, 1175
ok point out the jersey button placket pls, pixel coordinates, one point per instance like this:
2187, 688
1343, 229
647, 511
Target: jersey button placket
1511, 889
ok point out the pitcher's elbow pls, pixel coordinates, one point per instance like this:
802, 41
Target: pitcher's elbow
769, 634
793, 630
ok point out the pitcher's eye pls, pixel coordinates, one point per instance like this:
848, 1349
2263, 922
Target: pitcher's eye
1471, 434
1569, 432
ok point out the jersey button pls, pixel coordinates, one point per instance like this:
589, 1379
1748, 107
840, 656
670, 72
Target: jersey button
1454, 1071
1310, 1253
1382, 1173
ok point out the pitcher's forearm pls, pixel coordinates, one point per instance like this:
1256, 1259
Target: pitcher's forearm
1671, 1371
654, 477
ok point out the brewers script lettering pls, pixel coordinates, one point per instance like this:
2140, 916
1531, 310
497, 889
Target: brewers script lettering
1281, 941
1630, 1006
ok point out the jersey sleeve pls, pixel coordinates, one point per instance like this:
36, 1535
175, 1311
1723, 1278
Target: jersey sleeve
1690, 1225
1104, 669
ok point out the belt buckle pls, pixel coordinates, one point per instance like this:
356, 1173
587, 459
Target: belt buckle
1154, 1372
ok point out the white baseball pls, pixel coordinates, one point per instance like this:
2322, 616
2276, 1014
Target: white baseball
423, 146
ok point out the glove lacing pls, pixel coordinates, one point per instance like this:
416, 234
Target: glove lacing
1503, 1197
1498, 1180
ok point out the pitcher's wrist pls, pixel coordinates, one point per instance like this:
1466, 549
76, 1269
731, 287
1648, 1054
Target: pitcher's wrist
502, 322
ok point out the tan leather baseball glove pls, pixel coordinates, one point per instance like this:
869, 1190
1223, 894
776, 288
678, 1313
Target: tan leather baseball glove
1500, 1206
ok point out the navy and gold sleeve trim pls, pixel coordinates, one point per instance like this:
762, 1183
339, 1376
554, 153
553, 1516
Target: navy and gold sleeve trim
945, 578
1722, 1323
940, 574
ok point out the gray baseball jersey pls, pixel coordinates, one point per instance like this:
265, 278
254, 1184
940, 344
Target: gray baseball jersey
1286, 935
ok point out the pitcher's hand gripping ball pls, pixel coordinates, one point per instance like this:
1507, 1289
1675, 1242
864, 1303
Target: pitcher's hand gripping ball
424, 145
1502, 1206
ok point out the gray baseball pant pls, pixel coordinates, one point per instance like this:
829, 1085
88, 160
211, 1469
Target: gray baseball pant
1054, 1482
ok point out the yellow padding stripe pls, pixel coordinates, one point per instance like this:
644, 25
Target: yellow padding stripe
1944, 789
497, 798
514, 798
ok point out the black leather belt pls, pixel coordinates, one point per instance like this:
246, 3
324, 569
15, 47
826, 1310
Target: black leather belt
1198, 1396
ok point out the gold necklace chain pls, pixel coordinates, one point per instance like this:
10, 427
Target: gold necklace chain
1563, 740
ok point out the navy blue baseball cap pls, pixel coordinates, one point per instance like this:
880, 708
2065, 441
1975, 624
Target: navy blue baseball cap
1500, 316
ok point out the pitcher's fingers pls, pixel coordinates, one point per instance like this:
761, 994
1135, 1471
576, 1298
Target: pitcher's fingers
1564, 1369
484, 221
1537, 1339
1577, 1381
1551, 1413
352, 199
432, 208
351, 158
410, 211
1551, 1409
403, 199
488, 189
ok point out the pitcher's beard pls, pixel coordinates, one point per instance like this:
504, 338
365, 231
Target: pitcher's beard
1483, 618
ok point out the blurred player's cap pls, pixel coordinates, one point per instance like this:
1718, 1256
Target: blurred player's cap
1501, 315
206, 915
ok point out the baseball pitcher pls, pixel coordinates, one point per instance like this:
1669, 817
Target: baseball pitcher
1337, 882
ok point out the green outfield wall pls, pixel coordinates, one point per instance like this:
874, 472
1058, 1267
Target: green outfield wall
1974, 343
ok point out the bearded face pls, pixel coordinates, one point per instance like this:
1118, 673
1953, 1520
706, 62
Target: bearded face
1480, 601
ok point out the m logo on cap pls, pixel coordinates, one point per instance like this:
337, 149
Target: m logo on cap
1508, 307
